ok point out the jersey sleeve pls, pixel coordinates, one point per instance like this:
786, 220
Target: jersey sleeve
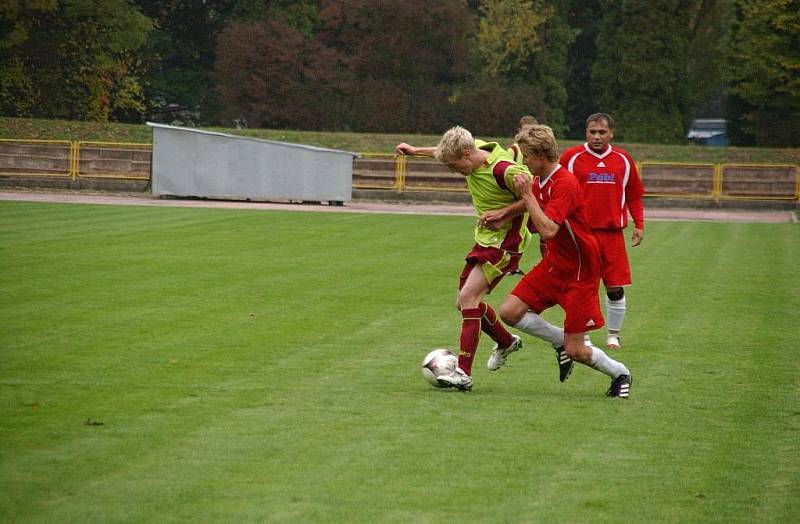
563, 200
634, 191
567, 155
504, 173
513, 171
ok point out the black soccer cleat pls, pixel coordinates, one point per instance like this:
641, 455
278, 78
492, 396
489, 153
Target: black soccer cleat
565, 363
620, 387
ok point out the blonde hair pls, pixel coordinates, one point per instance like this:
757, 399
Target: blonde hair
453, 143
538, 140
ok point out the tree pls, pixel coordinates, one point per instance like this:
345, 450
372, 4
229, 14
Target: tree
71, 59
302, 15
551, 66
268, 75
710, 26
522, 45
583, 16
403, 58
179, 56
765, 73
509, 36
639, 75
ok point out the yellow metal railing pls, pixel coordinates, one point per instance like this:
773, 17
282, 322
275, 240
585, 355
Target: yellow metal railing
712, 192
732, 195
398, 175
86, 172
17, 167
67, 154
710, 174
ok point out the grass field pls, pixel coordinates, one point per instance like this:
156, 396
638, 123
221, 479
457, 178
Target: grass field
26, 128
172, 364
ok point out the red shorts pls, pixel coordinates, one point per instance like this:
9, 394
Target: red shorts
540, 289
496, 263
616, 268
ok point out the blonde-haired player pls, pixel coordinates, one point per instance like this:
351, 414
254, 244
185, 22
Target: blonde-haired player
569, 273
490, 171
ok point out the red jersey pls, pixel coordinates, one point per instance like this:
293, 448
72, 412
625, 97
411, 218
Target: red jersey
610, 183
573, 253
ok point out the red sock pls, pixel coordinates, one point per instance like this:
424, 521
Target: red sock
493, 328
470, 334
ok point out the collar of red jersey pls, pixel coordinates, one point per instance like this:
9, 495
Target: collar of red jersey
545, 180
598, 155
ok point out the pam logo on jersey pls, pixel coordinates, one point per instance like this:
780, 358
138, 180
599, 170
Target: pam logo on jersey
601, 178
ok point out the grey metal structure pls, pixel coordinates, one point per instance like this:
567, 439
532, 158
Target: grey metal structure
194, 163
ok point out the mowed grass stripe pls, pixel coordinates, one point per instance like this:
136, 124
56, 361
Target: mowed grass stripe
252, 365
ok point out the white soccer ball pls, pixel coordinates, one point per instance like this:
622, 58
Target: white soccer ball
437, 363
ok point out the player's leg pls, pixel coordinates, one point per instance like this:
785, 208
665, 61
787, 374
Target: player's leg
521, 310
615, 313
496, 264
485, 267
470, 296
596, 358
517, 313
582, 309
616, 274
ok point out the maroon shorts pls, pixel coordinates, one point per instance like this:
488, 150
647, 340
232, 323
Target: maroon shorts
616, 268
540, 289
494, 262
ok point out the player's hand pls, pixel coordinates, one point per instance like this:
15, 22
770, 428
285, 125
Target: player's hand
524, 184
493, 220
404, 149
637, 237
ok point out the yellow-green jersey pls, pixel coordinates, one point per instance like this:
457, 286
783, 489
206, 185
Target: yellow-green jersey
516, 153
492, 188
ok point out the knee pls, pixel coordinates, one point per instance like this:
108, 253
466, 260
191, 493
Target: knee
509, 314
577, 350
615, 293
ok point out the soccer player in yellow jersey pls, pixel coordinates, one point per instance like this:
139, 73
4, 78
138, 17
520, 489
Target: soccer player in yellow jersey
489, 170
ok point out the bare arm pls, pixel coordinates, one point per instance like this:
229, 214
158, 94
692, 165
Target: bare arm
495, 218
408, 149
547, 228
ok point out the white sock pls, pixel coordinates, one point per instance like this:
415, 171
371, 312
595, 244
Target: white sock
605, 364
615, 314
533, 324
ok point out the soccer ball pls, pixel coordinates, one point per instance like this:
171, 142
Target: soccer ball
437, 363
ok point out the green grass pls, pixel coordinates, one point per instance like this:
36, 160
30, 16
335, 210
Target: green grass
24, 128
172, 364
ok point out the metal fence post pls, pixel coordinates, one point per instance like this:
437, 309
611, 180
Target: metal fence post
717, 186
74, 157
400, 173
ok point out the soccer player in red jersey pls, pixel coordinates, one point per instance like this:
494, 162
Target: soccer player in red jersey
612, 188
490, 171
569, 273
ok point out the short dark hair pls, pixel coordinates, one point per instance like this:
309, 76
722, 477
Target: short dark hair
527, 120
596, 117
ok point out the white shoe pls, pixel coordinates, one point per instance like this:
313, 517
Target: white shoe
457, 379
613, 342
499, 356
587, 341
